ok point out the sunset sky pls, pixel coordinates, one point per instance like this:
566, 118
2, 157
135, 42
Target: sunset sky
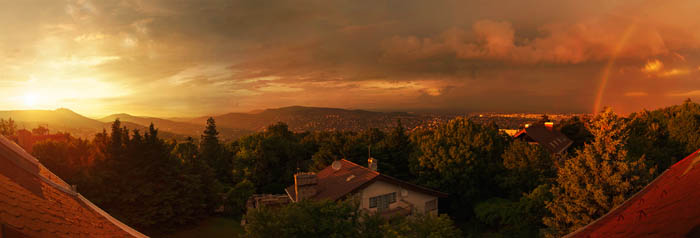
191, 58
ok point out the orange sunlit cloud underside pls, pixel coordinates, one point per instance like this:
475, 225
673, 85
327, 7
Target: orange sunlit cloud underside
189, 58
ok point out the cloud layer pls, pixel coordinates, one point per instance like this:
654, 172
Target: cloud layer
175, 58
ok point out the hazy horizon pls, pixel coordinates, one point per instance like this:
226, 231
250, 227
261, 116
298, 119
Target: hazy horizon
192, 58
96, 117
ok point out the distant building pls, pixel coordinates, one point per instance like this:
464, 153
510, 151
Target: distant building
36, 203
667, 207
377, 192
545, 135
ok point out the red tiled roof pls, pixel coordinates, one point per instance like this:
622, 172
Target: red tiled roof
551, 139
36, 203
336, 184
667, 207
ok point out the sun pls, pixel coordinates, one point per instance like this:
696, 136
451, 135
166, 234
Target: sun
30, 99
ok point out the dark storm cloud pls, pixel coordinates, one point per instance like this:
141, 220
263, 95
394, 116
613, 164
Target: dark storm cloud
195, 57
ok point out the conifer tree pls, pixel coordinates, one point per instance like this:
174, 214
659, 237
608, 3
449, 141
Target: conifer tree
214, 154
599, 178
398, 149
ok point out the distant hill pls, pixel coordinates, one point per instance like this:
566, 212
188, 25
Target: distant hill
314, 119
235, 125
58, 118
193, 130
65, 120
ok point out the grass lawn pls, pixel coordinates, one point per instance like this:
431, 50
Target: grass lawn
212, 227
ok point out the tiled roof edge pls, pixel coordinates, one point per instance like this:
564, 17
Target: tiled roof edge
379, 175
633, 197
27, 157
113, 220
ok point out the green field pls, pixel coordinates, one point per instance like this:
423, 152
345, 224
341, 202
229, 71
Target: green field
212, 227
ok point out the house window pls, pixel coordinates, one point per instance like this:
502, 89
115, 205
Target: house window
382, 202
431, 205
373, 202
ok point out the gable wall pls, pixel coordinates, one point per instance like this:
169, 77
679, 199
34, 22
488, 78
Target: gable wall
378, 188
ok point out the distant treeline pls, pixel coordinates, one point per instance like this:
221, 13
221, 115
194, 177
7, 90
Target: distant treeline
497, 186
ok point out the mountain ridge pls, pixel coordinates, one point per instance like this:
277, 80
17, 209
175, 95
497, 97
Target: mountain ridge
230, 125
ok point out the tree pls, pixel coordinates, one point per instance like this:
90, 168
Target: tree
463, 159
600, 177
519, 218
575, 129
528, 166
142, 182
69, 160
270, 159
331, 146
684, 125
304, 219
199, 179
7, 128
237, 196
398, 147
421, 226
42, 131
341, 219
650, 137
215, 155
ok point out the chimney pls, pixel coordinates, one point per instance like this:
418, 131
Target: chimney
549, 125
305, 185
372, 164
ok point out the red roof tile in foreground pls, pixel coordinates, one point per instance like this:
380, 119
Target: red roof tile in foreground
668, 207
336, 184
36, 203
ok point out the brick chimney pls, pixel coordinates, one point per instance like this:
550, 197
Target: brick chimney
372, 164
549, 125
305, 185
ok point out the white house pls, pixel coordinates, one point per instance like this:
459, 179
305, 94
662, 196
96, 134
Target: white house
377, 192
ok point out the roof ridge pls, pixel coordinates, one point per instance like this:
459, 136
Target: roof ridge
381, 175
363, 167
26, 157
22, 154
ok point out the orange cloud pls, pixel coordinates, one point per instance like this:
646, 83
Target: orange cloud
674, 72
591, 40
636, 94
653, 66
692, 93
656, 68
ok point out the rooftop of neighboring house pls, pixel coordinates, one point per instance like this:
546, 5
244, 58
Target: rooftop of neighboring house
344, 177
667, 207
36, 203
545, 135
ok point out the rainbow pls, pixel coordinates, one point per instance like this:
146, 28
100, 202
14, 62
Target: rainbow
609, 66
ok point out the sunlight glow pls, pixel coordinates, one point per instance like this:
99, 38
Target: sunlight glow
45, 92
30, 99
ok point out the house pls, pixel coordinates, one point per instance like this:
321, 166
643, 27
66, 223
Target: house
545, 135
667, 207
36, 203
376, 192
